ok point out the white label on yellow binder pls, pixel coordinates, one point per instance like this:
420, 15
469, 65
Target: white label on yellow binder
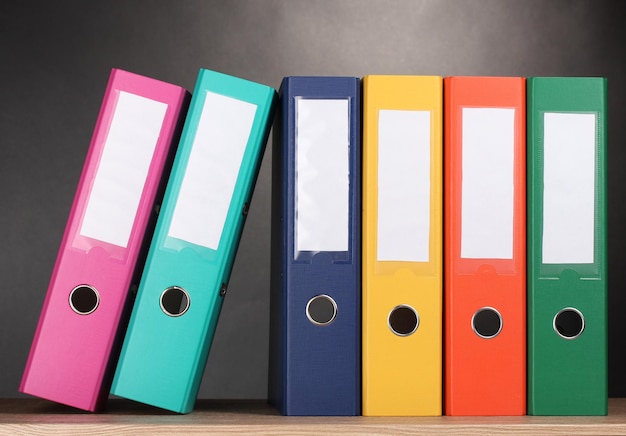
322, 174
403, 185
488, 141
568, 188
211, 174
123, 168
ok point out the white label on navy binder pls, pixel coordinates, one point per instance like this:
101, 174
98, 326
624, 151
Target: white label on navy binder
568, 187
403, 185
488, 143
211, 174
123, 168
322, 174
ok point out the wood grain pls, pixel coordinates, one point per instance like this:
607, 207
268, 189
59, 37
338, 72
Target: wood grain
40, 417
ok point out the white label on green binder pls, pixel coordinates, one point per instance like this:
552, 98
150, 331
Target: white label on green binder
403, 185
568, 188
322, 148
488, 142
123, 168
211, 174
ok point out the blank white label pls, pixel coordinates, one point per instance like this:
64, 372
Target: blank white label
211, 174
488, 144
123, 168
568, 188
322, 174
403, 185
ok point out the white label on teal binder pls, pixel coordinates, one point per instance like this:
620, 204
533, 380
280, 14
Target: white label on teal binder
322, 174
209, 182
123, 169
488, 144
403, 185
568, 188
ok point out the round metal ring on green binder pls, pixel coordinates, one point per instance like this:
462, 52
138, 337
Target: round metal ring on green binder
569, 323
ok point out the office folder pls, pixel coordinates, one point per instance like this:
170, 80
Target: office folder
402, 245
567, 246
485, 245
195, 241
315, 351
86, 307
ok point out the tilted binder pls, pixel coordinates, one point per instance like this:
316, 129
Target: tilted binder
567, 246
315, 351
402, 245
485, 245
86, 308
196, 238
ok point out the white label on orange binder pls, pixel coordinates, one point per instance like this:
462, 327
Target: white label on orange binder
488, 141
568, 188
404, 139
211, 174
322, 147
123, 168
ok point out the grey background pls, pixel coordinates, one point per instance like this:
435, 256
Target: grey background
55, 59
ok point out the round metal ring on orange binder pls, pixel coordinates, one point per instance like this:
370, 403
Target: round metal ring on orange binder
484, 322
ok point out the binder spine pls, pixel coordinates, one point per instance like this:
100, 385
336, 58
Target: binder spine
196, 239
104, 241
402, 362
567, 356
314, 365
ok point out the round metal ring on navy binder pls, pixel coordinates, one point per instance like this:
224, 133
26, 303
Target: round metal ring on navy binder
175, 301
569, 323
487, 322
321, 310
84, 299
403, 320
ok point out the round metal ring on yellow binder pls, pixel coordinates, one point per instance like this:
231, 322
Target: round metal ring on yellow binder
487, 322
84, 299
321, 310
569, 323
174, 301
403, 320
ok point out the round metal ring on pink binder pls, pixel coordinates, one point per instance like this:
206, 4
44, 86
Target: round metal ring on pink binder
84, 299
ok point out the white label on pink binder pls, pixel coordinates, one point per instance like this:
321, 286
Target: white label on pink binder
123, 169
403, 185
211, 174
568, 188
322, 148
488, 142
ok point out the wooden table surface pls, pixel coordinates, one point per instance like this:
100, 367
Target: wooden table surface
40, 417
